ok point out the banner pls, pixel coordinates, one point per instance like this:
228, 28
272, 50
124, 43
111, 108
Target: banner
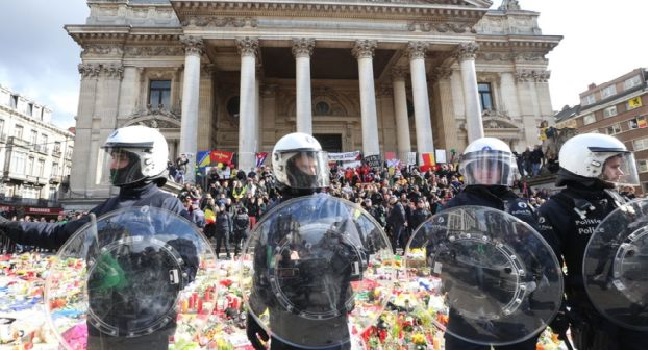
344, 156
440, 155
224, 157
260, 158
202, 159
411, 158
393, 162
373, 161
427, 159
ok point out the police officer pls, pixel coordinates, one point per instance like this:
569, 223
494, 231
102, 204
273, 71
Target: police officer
592, 165
138, 165
241, 228
489, 169
301, 169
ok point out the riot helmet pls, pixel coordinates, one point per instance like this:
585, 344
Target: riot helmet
299, 165
587, 155
488, 161
137, 153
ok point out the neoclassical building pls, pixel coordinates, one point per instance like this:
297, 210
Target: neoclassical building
376, 76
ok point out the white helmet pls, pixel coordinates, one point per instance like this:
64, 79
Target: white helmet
585, 155
488, 161
147, 151
299, 163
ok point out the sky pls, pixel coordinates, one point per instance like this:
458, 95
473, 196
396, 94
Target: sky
602, 41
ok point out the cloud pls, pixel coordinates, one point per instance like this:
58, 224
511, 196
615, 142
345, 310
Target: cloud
40, 60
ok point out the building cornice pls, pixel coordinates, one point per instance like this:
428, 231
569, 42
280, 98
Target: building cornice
190, 11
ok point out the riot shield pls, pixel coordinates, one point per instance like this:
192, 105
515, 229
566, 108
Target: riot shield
118, 281
316, 271
615, 266
497, 280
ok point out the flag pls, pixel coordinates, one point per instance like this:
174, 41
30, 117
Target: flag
641, 122
427, 158
224, 157
260, 158
390, 155
635, 102
202, 159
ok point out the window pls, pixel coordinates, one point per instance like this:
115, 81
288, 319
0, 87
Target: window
642, 166
608, 91
18, 131
485, 96
29, 166
17, 163
32, 137
640, 144
160, 93
57, 147
13, 101
589, 119
55, 169
322, 108
614, 129
610, 111
30, 109
44, 140
1, 126
588, 100
638, 122
631, 82
39, 167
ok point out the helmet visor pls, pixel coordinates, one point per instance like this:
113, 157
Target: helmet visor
488, 167
124, 167
307, 169
620, 169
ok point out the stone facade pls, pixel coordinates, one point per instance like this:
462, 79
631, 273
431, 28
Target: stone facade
375, 76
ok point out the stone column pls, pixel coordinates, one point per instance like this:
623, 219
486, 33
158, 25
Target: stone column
302, 50
443, 101
248, 49
107, 110
465, 54
416, 52
130, 90
83, 152
257, 112
400, 110
363, 51
193, 47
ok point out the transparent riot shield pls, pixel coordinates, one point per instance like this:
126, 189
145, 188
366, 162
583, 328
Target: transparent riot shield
316, 271
496, 280
615, 266
120, 280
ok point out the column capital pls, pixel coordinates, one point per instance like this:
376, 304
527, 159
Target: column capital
398, 73
89, 70
303, 47
417, 49
247, 46
192, 44
364, 48
112, 71
524, 75
465, 51
439, 73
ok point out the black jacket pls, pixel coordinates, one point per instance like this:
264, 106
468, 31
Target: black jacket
54, 235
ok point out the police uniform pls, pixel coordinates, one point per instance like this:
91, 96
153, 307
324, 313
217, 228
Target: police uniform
573, 215
501, 198
55, 235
